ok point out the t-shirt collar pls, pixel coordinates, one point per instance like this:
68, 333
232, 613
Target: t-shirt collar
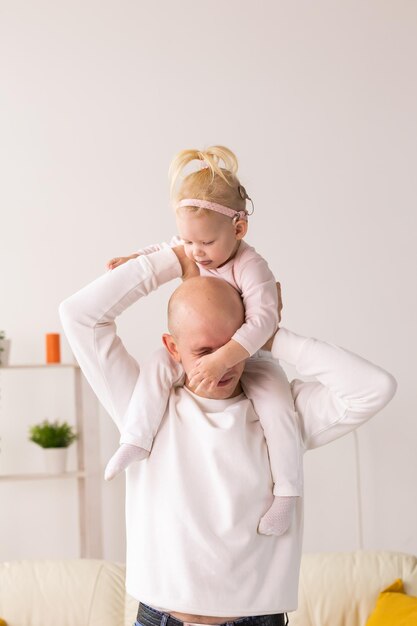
213, 404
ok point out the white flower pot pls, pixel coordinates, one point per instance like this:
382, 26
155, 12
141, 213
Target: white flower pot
5, 353
55, 460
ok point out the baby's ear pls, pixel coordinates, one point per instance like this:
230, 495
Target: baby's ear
241, 228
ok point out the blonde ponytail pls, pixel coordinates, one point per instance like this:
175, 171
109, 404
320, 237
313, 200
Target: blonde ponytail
213, 183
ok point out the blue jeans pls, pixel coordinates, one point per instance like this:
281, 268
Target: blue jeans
277, 619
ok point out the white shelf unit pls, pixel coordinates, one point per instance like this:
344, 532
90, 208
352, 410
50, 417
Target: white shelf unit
87, 473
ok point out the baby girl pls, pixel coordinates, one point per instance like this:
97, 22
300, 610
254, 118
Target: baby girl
212, 221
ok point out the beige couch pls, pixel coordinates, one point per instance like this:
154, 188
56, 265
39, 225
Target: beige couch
336, 589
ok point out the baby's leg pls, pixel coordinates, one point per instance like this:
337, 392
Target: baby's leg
145, 411
266, 385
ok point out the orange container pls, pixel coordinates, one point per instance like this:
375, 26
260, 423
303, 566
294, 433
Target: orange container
53, 348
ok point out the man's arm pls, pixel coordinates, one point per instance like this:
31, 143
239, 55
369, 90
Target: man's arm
348, 390
88, 320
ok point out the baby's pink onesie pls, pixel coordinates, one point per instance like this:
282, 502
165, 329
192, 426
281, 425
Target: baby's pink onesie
270, 394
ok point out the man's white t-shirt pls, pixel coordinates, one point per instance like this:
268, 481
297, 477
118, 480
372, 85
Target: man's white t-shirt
193, 506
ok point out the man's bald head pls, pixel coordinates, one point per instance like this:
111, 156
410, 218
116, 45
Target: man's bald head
203, 315
207, 299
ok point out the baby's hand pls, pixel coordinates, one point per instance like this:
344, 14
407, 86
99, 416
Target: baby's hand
206, 373
119, 260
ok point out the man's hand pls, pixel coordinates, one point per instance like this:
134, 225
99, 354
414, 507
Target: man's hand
206, 373
189, 268
270, 341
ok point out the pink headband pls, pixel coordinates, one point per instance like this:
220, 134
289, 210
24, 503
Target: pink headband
219, 208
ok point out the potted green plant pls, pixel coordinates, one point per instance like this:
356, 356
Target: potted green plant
4, 348
54, 438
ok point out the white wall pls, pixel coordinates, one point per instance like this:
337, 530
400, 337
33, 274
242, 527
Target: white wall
318, 101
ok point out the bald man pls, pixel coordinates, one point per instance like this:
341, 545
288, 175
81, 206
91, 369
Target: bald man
203, 313
194, 554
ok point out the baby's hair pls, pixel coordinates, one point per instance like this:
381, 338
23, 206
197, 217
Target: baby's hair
212, 183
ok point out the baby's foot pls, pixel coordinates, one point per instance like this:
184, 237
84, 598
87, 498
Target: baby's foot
277, 519
124, 456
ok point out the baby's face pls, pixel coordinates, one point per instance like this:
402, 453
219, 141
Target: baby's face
209, 240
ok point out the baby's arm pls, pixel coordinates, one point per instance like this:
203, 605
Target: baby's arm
260, 298
119, 260
175, 241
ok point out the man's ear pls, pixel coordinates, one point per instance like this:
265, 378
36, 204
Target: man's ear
171, 346
241, 228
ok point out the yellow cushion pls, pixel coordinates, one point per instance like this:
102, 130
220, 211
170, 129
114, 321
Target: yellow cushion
394, 607
2, 622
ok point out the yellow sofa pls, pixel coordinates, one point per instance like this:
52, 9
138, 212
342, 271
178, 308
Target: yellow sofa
336, 589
